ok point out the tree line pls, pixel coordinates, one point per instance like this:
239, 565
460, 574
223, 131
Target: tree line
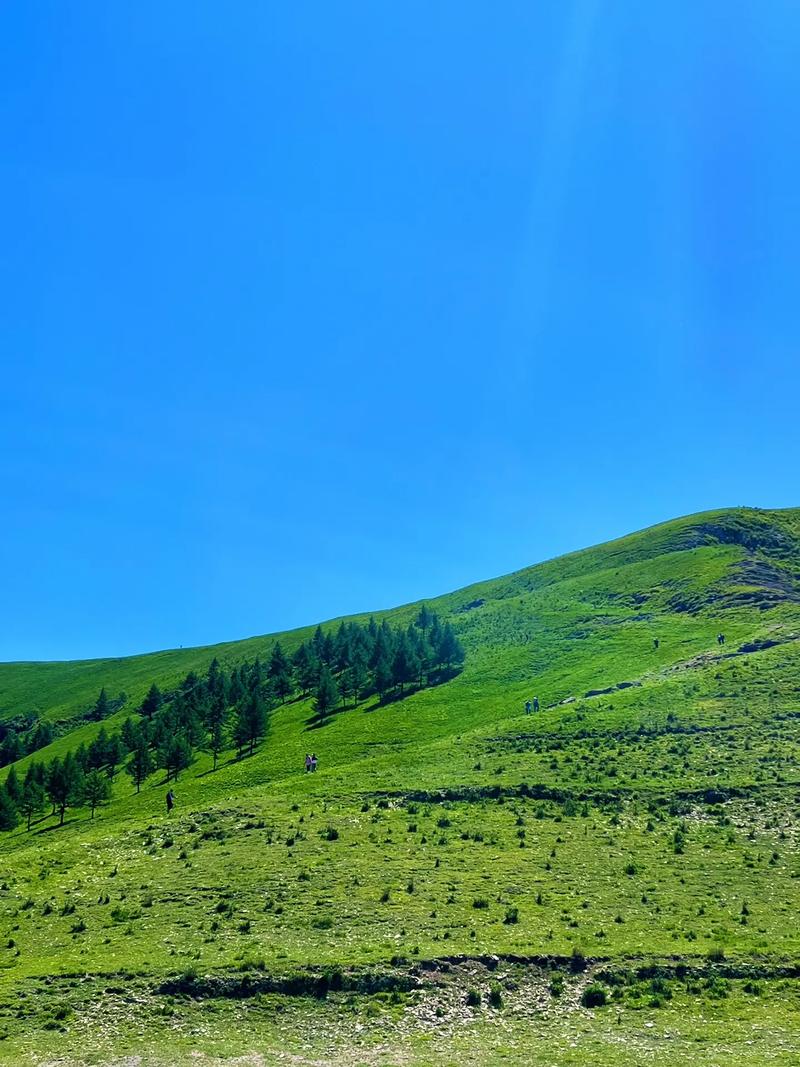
360, 660
230, 708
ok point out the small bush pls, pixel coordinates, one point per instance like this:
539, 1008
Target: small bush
495, 996
473, 998
594, 996
512, 916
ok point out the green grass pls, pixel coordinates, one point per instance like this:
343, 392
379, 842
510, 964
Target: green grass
653, 826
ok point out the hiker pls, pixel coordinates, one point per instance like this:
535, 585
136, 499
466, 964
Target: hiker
527, 707
655, 642
170, 800
535, 703
720, 639
313, 762
308, 762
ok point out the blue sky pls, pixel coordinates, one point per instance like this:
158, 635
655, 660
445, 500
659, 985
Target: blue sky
314, 308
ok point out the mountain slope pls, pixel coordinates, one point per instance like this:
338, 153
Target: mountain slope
645, 818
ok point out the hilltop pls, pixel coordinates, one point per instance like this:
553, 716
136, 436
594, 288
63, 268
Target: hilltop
629, 850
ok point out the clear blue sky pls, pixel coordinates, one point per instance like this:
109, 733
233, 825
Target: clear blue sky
310, 308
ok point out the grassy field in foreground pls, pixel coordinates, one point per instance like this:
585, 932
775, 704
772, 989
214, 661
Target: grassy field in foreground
612, 880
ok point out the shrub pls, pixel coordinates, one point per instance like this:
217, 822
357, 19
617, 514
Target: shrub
495, 995
473, 998
512, 916
594, 996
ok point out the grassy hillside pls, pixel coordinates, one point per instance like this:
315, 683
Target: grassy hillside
459, 882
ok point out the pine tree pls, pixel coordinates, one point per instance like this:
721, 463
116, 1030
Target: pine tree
357, 675
318, 643
102, 707
405, 665
240, 729
449, 652
96, 789
308, 670
130, 734
176, 756
251, 722
13, 787
216, 738
328, 656
97, 750
216, 720
64, 784
255, 679
382, 675
152, 702
280, 672
327, 694
300, 666
141, 764
341, 648
32, 797
40, 736
8, 810
11, 749
114, 754
424, 618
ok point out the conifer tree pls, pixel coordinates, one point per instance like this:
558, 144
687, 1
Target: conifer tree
251, 722
382, 675
13, 787
280, 672
11, 749
114, 755
304, 669
96, 789
449, 651
309, 670
96, 757
40, 736
318, 643
357, 675
405, 665
141, 764
176, 756
64, 784
102, 707
8, 810
327, 693
216, 738
32, 797
152, 702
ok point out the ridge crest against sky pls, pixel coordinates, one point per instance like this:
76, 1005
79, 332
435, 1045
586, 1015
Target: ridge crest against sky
312, 311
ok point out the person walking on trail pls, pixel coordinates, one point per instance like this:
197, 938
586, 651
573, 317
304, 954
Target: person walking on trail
313, 762
720, 639
170, 800
535, 703
308, 762
655, 642
527, 707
